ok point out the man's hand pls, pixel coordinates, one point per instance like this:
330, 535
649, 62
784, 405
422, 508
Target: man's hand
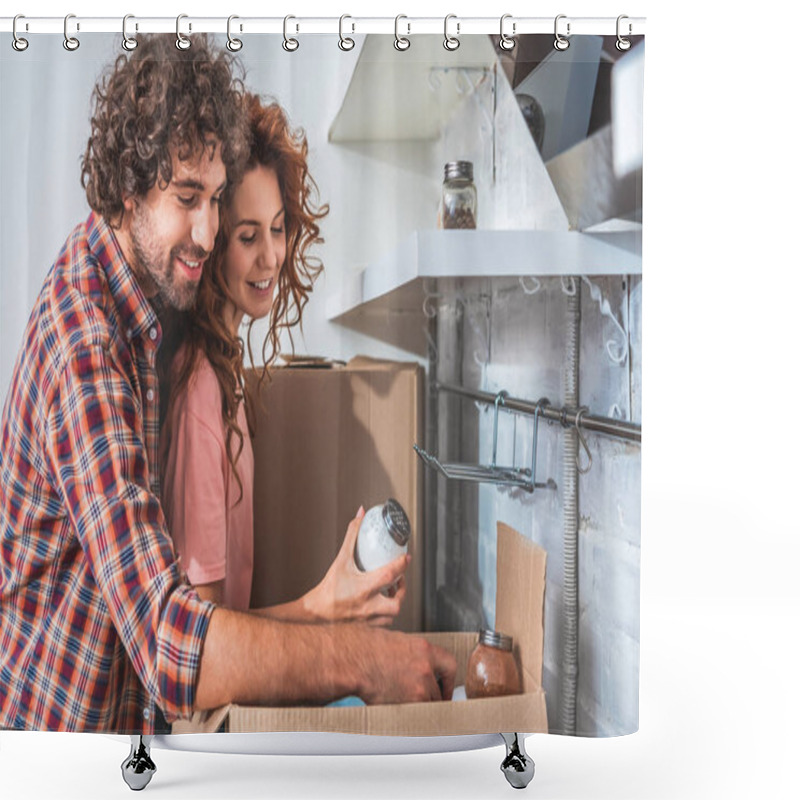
400, 668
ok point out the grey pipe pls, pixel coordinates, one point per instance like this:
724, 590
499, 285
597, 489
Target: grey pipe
569, 486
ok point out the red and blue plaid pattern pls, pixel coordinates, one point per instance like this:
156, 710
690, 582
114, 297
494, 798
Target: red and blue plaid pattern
97, 624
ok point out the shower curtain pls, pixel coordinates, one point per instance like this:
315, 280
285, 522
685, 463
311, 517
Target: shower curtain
470, 348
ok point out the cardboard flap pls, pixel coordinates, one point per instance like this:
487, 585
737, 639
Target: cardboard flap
202, 721
520, 604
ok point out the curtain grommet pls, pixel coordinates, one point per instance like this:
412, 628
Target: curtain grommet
70, 42
18, 42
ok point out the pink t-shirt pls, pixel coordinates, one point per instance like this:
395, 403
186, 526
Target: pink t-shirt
213, 533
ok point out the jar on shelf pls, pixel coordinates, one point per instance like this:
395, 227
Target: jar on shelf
382, 537
492, 670
459, 197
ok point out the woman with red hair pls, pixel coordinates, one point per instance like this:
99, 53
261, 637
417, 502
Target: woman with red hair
260, 267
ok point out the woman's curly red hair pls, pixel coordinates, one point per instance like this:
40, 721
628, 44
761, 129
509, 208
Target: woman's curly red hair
273, 143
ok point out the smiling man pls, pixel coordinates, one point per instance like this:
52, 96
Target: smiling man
99, 629
97, 626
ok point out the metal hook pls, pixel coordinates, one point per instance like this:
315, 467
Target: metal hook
401, 42
623, 43
500, 397
507, 42
537, 284
128, 42
542, 401
561, 42
70, 42
346, 43
18, 43
451, 42
583, 470
233, 44
182, 42
289, 45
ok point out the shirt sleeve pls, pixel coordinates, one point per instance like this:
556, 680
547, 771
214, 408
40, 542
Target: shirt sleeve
196, 503
96, 445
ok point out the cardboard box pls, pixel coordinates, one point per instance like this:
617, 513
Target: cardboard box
329, 438
520, 607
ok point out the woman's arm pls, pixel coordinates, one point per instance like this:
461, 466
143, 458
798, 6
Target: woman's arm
346, 594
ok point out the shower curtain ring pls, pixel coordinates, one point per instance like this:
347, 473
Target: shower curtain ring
182, 42
451, 42
561, 42
18, 43
401, 42
507, 42
623, 44
233, 44
345, 42
70, 42
128, 42
583, 470
289, 44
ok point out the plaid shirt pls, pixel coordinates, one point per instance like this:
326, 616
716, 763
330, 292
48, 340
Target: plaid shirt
97, 623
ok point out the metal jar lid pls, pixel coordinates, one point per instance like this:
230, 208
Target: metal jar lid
396, 522
454, 170
496, 639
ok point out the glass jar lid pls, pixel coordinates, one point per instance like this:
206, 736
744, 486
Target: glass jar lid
453, 170
396, 522
496, 639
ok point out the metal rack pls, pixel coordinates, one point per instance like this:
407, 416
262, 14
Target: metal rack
524, 478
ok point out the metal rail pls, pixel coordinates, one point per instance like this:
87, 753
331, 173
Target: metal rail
629, 431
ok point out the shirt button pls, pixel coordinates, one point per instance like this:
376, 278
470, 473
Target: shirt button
129, 334
146, 713
153, 334
150, 395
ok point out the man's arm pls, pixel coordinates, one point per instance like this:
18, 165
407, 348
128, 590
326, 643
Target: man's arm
256, 660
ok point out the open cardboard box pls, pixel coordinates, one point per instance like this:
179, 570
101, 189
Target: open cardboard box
520, 606
329, 438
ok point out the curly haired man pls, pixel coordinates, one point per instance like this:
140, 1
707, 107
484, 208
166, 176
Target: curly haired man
99, 629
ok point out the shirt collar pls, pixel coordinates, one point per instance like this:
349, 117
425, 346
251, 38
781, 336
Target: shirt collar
137, 314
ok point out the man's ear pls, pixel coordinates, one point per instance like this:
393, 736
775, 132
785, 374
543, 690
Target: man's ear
128, 202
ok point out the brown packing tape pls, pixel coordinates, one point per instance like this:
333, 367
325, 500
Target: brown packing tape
521, 568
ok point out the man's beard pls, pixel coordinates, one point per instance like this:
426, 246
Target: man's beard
157, 273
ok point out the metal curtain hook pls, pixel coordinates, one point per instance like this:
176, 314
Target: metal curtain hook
346, 43
289, 45
507, 42
451, 42
623, 43
583, 470
128, 42
401, 42
233, 44
182, 42
561, 42
18, 43
70, 42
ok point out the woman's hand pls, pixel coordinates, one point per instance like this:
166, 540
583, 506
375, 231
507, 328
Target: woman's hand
346, 594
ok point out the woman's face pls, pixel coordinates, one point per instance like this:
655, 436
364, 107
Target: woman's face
257, 246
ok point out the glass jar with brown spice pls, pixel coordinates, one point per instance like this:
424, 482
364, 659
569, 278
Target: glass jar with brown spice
492, 670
